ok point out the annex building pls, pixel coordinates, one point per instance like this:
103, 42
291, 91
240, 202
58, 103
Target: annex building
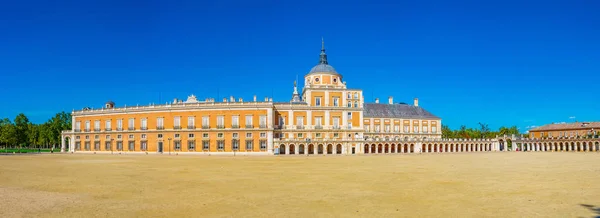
326, 117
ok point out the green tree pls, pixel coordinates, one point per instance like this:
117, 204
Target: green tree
21, 129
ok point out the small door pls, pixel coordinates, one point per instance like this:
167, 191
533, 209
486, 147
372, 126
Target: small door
353, 150
160, 147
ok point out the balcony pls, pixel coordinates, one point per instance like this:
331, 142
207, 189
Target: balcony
107, 129
77, 130
131, 128
160, 128
262, 126
235, 126
191, 127
299, 127
205, 127
279, 127
220, 126
319, 127
177, 127
249, 126
96, 129
336, 127
120, 129
144, 128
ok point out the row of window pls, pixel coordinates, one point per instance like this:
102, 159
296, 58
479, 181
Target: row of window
387, 128
318, 120
564, 134
235, 123
191, 145
336, 102
315, 135
177, 135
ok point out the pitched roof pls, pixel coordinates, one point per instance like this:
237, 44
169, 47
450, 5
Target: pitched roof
567, 126
374, 110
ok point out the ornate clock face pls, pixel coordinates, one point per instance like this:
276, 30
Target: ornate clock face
316, 79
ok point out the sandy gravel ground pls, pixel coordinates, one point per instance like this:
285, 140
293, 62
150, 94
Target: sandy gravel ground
428, 185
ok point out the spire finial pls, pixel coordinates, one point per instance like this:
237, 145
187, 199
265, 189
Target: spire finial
323, 59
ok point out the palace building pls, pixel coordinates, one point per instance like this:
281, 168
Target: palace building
326, 117
566, 130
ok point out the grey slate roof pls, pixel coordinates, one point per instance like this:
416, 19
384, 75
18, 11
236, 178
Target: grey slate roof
374, 110
323, 68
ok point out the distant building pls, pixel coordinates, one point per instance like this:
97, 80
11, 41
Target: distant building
566, 130
326, 117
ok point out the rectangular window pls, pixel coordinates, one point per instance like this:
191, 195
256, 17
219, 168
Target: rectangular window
263, 134
349, 95
300, 122
318, 135
191, 135
249, 145
120, 124
396, 128
235, 122
77, 137
249, 135
96, 146
367, 128
221, 144
177, 122
434, 129
87, 126
97, 125
191, 122
107, 125
144, 124
300, 135
205, 122
349, 104
377, 128
281, 121
119, 146
176, 135
220, 135
144, 146
143, 136
349, 117
356, 104
406, 128
249, 123
206, 145
336, 122
235, 135
97, 137
107, 146
415, 129
131, 136
220, 122
131, 124
262, 121
177, 145
387, 128
78, 146
263, 144
107, 137
425, 129
235, 144
336, 102
131, 146
204, 135
318, 122
336, 135
160, 136
317, 101
77, 126
356, 95
160, 123
191, 145
87, 146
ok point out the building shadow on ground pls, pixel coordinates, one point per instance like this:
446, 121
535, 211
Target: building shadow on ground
594, 209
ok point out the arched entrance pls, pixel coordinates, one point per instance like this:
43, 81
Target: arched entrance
412, 148
338, 149
387, 149
292, 149
320, 149
366, 148
282, 149
379, 148
311, 149
301, 149
329, 149
373, 148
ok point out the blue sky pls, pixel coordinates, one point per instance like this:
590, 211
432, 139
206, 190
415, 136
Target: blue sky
524, 63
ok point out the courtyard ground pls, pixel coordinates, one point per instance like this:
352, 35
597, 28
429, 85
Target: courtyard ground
428, 185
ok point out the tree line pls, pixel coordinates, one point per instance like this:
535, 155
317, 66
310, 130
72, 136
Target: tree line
21, 133
477, 133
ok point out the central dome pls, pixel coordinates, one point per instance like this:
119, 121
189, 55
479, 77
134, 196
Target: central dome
323, 67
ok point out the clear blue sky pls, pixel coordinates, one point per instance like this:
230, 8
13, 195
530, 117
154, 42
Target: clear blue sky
523, 63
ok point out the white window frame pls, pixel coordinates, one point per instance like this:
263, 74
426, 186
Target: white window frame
318, 101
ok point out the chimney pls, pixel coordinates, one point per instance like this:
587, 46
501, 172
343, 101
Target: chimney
254, 98
270, 99
241, 100
266, 99
224, 99
376, 100
391, 100
231, 98
416, 102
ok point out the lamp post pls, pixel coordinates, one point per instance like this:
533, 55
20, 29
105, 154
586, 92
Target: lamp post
169, 146
111, 144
